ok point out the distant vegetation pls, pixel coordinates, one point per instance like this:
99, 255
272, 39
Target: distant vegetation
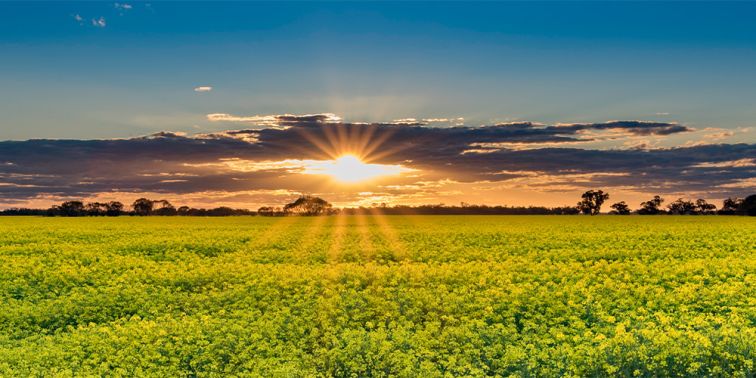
590, 204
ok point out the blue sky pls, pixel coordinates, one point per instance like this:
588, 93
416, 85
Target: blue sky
692, 63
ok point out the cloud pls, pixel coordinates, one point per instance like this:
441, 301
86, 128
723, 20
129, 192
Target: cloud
429, 121
630, 127
78, 19
727, 164
122, 6
407, 121
746, 183
476, 162
633, 127
99, 22
277, 120
204, 88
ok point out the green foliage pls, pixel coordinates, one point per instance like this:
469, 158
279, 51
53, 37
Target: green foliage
358, 296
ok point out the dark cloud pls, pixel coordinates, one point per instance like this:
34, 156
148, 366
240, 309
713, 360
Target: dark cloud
175, 163
633, 127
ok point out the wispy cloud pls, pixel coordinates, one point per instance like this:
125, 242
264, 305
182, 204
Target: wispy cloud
99, 22
78, 19
728, 164
276, 120
203, 88
122, 6
256, 120
429, 121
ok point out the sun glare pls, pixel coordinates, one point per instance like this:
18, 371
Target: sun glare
350, 169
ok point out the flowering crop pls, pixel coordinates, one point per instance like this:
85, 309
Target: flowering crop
378, 296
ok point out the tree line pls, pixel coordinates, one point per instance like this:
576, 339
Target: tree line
590, 204
592, 200
140, 207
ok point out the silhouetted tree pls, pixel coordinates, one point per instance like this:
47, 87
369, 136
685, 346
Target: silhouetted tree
682, 207
142, 206
163, 207
620, 208
72, 209
113, 208
564, 210
222, 211
592, 201
705, 208
53, 211
24, 211
748, 206
651, 207
95, 209
183, 210
196, 212
266, 211
308, 205
731, 206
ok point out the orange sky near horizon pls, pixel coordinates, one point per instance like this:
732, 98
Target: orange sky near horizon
277, 158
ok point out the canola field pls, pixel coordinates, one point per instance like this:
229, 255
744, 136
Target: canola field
363, 296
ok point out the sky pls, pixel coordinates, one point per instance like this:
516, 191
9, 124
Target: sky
252, 104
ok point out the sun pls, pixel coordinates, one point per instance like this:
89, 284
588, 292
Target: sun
351, 169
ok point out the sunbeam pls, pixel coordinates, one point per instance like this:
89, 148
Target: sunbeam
351, 169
